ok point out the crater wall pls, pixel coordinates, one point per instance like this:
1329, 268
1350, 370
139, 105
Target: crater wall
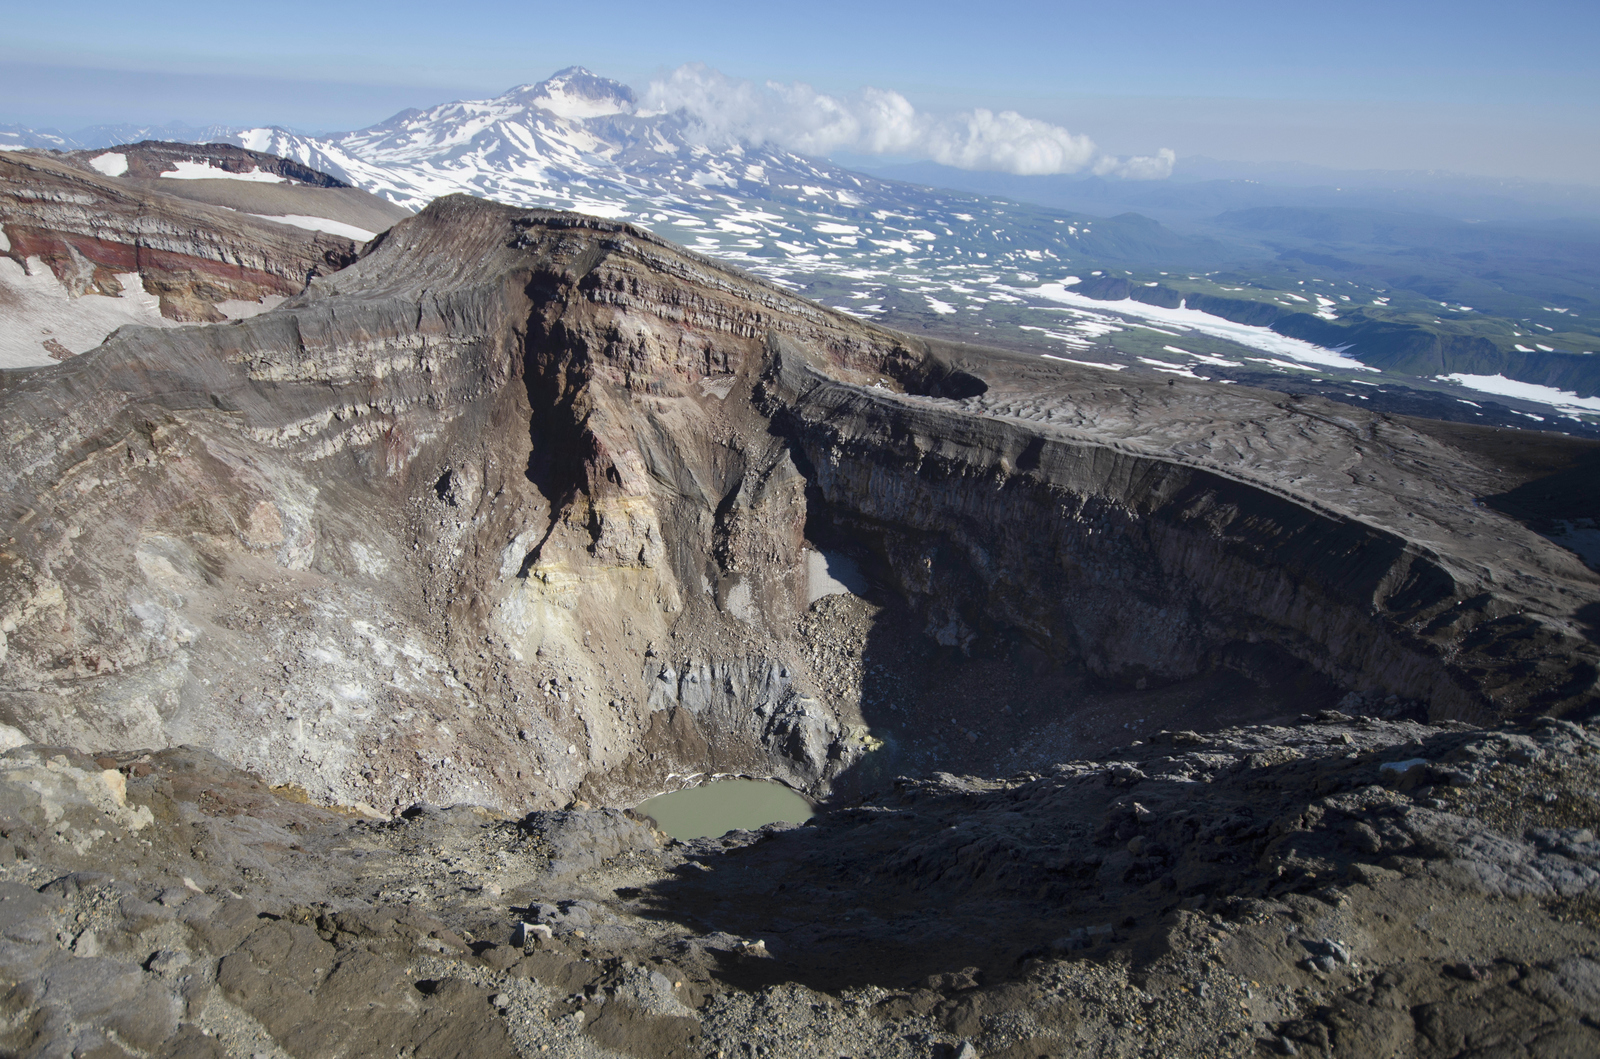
516, 509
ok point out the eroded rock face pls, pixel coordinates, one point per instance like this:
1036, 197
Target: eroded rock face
99, 235
1147, 567
518, 506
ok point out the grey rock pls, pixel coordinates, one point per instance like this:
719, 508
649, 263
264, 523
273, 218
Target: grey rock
526, 934
167, 962
581, 839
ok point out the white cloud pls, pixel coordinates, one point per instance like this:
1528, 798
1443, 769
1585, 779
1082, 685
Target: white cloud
1007, 141
723, 110
1139, 167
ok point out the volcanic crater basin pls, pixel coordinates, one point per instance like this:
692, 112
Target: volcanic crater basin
517, 514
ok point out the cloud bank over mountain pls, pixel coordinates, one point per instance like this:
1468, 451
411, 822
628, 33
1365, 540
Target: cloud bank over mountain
723, 110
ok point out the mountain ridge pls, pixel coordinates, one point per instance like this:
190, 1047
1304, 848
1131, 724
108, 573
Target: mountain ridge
960, 265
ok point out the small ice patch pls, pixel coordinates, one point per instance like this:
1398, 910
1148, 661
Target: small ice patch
239, 309
1282, 364
111, 163
1402, 767
1084, 363
1169, 368
832, 574
1204, 357
942, 308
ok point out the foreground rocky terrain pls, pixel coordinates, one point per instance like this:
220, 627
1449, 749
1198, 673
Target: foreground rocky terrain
1347, 886
1166, 717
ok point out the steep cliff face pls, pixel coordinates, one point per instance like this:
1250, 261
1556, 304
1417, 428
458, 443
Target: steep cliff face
520, 505
1149, 569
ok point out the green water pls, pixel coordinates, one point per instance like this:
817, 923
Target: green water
723, 806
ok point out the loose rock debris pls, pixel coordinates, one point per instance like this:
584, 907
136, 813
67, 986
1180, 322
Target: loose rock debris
1262, 890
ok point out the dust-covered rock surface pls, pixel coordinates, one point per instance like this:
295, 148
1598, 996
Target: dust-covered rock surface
1345, 886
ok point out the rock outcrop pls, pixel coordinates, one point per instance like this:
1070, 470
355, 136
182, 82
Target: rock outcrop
127, 239
153, 159
518, 507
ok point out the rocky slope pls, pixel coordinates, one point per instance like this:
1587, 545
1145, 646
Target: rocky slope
1343, 887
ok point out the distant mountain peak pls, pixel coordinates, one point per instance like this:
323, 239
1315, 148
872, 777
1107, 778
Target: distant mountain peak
575, 93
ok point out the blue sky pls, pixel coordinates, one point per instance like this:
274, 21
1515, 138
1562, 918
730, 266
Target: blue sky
1494, 88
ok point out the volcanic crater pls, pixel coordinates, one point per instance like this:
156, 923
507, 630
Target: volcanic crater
522, 511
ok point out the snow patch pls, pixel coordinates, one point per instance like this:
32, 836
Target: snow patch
111, 163
322, 224
41, 323
560, 101
1560, 400
206, 171
1188, 319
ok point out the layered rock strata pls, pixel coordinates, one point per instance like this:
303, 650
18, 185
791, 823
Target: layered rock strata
107, 236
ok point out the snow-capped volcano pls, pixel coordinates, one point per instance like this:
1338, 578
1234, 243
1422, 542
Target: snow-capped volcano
574, 141
581, 142
871, 247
